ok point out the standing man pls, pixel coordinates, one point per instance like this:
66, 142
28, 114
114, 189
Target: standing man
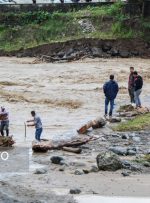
138, 84
110, 89
4, 118
131, 85
38, 125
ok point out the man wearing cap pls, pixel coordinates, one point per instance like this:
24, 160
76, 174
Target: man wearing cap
4, 118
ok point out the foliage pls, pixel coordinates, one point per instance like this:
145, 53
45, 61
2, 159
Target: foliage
138, 123
34, 28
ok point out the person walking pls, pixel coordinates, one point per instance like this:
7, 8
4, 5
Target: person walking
131, 86
138, 84
110, 89
38, 125
4, 119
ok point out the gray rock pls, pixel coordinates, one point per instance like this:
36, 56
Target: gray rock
86, 171
62, 168
61, 54
126, 164
78, 164
125, 137
131, 152
94, 169
146, 164
124, 54
125, 173
69, 52
115, 135
56, 159
135, 53
119, 150
115, 120
108, 161
40, 171
97, 52
114, 52
106, 47
78, 172
75, 191
136, 139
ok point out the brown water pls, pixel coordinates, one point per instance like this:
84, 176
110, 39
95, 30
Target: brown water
65, 95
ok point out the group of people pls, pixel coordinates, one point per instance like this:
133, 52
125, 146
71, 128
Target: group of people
111, 88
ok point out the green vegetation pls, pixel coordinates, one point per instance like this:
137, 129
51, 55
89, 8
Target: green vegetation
24, 30
145, 160
138, 123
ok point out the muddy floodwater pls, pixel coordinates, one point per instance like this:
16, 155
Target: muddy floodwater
65, 95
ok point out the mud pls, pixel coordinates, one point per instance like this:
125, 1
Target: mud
77, 49
79, 82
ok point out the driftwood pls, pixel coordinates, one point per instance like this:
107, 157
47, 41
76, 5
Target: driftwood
98, 123
129, 111
71, 149
6, 141
44, 146
48, 59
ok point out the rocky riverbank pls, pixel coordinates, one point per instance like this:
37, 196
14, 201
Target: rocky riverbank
82, 48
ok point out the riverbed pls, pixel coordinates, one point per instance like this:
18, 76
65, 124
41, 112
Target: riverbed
65, 96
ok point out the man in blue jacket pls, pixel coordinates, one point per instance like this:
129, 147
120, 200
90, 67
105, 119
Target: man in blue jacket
110, 90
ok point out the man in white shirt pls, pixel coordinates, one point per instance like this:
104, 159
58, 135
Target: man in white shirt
4, 118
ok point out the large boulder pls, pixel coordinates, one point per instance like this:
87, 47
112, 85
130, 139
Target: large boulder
108, 161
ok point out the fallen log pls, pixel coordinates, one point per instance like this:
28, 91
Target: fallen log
97, 123
71, 149
44, 146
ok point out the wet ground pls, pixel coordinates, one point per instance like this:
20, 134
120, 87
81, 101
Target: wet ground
67, 95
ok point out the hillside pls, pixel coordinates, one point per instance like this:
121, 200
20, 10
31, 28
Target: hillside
26, 30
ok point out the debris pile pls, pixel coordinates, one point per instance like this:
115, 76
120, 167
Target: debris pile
6, 141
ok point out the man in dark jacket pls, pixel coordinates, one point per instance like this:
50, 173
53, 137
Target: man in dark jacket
110, 90
131, 85
138, 84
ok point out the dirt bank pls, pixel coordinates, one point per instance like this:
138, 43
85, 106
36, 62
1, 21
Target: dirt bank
76, 49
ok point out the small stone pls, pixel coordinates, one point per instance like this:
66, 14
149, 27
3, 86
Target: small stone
75, 191
126, 164
136, 139
62, 169
56, 159
125, 174
94, 169
86, 171
40, 171
124, 137
115, 135
78, 172
146, 164
131, 152
119, 150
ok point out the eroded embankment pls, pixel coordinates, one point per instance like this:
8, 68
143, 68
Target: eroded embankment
76, 49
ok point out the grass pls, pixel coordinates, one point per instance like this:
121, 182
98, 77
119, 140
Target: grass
35, 28
140, 122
